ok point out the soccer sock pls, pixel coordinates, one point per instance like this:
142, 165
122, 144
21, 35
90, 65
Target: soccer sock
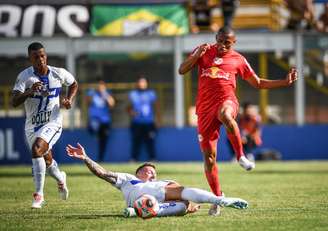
39, 172
171, 209
53, 170
213, 180
199, 196
236, 143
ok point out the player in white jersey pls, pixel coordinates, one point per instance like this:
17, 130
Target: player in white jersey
39, 88
145, 182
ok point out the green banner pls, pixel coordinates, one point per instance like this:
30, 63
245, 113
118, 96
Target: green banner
163, 20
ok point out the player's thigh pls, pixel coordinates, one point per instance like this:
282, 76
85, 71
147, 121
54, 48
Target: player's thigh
228, 107
173, 192
45, 138
208, 131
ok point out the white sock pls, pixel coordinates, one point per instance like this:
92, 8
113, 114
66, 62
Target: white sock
39, 172
53, 170
171, 209
199, 196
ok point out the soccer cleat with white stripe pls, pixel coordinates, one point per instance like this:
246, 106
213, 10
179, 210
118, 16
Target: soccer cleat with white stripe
235, 203
37, 201
245, 163
62, 188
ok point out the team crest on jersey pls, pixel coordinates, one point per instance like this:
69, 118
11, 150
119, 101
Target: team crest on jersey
218, 61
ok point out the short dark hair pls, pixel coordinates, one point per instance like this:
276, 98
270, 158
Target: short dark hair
145, 165
225, 30
34, 47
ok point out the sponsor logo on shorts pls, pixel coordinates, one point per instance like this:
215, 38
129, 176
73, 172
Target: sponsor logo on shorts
200, 138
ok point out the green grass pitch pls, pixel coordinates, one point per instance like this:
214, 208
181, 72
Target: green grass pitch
282, 196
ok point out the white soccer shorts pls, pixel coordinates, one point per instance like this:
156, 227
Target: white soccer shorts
50, 133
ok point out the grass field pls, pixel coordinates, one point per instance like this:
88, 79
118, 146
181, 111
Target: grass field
282, 196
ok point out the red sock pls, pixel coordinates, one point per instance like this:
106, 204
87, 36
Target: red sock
213, 180
236, 143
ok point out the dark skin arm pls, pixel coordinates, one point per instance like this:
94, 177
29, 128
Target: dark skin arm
270, 84
190, 62
68, 100
18, 97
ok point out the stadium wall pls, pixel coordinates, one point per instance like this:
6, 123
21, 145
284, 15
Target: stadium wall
307, 142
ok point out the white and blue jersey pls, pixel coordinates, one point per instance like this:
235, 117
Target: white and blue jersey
44, 106
133, 188
43, 118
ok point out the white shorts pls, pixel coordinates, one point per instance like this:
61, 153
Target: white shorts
155, 188
50, 133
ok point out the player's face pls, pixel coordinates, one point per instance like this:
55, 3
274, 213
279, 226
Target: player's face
147, 173
142, 84
38, 58
225, 42
101, 86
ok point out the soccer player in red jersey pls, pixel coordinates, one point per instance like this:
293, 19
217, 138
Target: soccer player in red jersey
218, 66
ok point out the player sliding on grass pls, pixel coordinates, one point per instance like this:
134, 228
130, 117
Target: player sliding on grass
217, 104
145, 182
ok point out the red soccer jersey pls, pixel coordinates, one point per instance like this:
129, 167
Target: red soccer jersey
217, 78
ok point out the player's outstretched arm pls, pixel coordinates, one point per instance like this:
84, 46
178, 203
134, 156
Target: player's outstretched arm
190, 62
79, 153
261, 83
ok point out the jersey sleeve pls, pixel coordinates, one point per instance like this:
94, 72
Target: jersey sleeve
122, 178
20, 84
67, 78
245, 70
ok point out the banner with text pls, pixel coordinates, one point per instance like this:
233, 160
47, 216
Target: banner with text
44, 20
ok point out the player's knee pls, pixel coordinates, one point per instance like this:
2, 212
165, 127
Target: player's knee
37, 150
227, 120
48, 161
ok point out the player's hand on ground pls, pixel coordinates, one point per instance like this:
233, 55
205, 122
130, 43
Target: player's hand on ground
76, 152
192, 208
291, 76
66, 103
